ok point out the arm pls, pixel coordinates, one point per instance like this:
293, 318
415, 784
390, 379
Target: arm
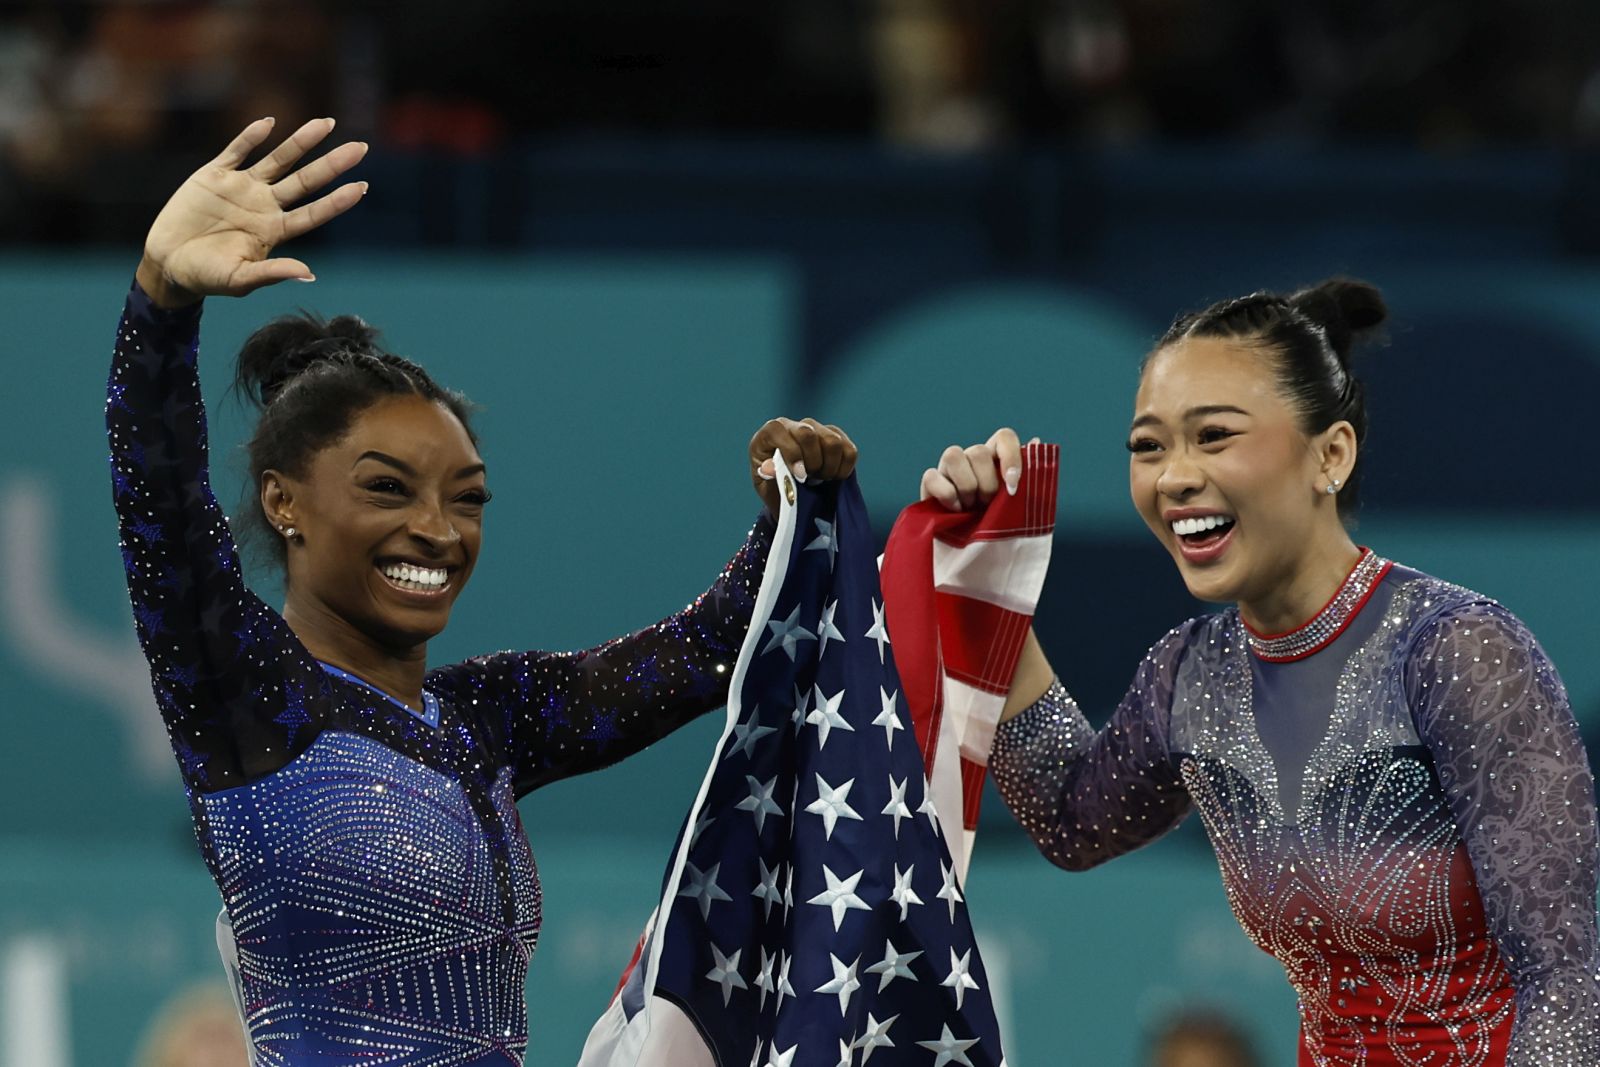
1493, 713
217, 654
1087, 797
237, 691
567, 713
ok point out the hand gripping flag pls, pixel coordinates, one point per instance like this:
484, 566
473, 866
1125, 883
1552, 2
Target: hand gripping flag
959, 591
811, 915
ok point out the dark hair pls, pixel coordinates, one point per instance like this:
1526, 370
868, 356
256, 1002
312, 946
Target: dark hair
310, 377
1310, 332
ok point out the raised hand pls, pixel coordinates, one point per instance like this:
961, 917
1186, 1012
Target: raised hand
968, 478
216, 234
813, 452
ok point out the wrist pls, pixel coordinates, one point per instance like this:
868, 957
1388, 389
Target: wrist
163, 292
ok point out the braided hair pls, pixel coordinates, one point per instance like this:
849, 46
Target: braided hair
310, 377
1309, 333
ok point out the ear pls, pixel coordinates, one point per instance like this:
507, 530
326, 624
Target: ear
277, 499
1337, 449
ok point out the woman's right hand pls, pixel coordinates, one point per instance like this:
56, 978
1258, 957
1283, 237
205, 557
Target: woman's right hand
216, 235
968, 478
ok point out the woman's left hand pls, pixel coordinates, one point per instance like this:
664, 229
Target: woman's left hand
812, 451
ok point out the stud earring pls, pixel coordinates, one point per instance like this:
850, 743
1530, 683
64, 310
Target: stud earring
289, 532
1333, 487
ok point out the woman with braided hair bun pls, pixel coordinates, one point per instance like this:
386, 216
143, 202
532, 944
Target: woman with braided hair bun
356, 808
1386, 764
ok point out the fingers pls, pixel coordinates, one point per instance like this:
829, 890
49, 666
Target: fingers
280, 160
304, 219
248, 140
809, 449
957, 468
319, 172
935, 486
1008, 456
252, 276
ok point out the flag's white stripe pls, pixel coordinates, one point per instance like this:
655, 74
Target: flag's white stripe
1008, 574
771, 583
944, 786
973, 714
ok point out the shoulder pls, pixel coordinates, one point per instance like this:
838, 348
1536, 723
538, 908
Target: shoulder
1436, 612
1202, 635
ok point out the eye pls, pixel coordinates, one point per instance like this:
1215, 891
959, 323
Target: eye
1214, 434
387, 486
476, 497
1143, 444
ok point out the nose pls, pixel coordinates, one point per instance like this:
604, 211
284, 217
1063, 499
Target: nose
430, 526
1180, 478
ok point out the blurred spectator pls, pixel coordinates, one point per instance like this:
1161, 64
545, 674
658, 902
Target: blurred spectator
1201, 1039
196, 1028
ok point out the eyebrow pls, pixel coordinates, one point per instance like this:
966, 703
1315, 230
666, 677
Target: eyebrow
407, 469
1192, 413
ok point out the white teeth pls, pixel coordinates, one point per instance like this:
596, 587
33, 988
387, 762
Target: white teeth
1186, 527
424, 577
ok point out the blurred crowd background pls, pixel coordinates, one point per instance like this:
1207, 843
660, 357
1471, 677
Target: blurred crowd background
103, 104
916, 218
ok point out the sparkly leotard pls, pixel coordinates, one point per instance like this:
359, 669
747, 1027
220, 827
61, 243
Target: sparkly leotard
382, 894
1399, 802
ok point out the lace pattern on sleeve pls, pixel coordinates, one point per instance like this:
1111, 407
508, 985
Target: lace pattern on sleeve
1495, 716
1085, 796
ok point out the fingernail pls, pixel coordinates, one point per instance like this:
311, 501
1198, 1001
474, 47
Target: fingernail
1013, 476
364, 188
765, 471
268, 118
307, 278
1034, 441
800, 470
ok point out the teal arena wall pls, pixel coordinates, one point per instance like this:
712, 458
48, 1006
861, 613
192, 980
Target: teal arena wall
618, 392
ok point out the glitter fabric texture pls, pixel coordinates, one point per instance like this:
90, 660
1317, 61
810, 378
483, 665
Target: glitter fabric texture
1404, 818
380, 887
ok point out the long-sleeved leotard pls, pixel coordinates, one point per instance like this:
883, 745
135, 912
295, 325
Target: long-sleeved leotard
382, 895
1405, 818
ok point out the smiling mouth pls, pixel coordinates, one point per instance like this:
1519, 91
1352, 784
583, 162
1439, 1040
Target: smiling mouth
1203, 531
414, 579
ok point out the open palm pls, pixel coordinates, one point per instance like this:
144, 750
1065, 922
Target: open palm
215, 236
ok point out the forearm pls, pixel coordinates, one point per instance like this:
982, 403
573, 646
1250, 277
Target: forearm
1031, 680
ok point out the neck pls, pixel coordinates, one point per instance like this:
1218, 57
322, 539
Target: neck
1293, 602
333, 640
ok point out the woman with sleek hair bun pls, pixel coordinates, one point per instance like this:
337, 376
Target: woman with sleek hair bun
1386, 764
357, 809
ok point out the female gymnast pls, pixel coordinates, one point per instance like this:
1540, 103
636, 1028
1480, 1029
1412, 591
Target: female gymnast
356, 809
1386, 764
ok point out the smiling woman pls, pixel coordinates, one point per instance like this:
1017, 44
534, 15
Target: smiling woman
357, 809
1386, 763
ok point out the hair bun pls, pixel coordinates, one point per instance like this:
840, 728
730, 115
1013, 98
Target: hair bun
1343, 307
283, 349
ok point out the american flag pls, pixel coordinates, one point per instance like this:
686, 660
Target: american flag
812, 915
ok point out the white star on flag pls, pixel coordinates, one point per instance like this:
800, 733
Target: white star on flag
784, 988
840, 896
786, 1059
897, 803
902, 893
825, 716
878, 631
826, 541
949, 891
876, 1036
703, 820
764, 981
760, 800
826, 629
767, 891
802, 701
950, 1049
888, 718
788, 634
832, 805
927, 808
702, 886
847, 1052
959, 979
725, 972
844, 982
746, 734
895, 964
